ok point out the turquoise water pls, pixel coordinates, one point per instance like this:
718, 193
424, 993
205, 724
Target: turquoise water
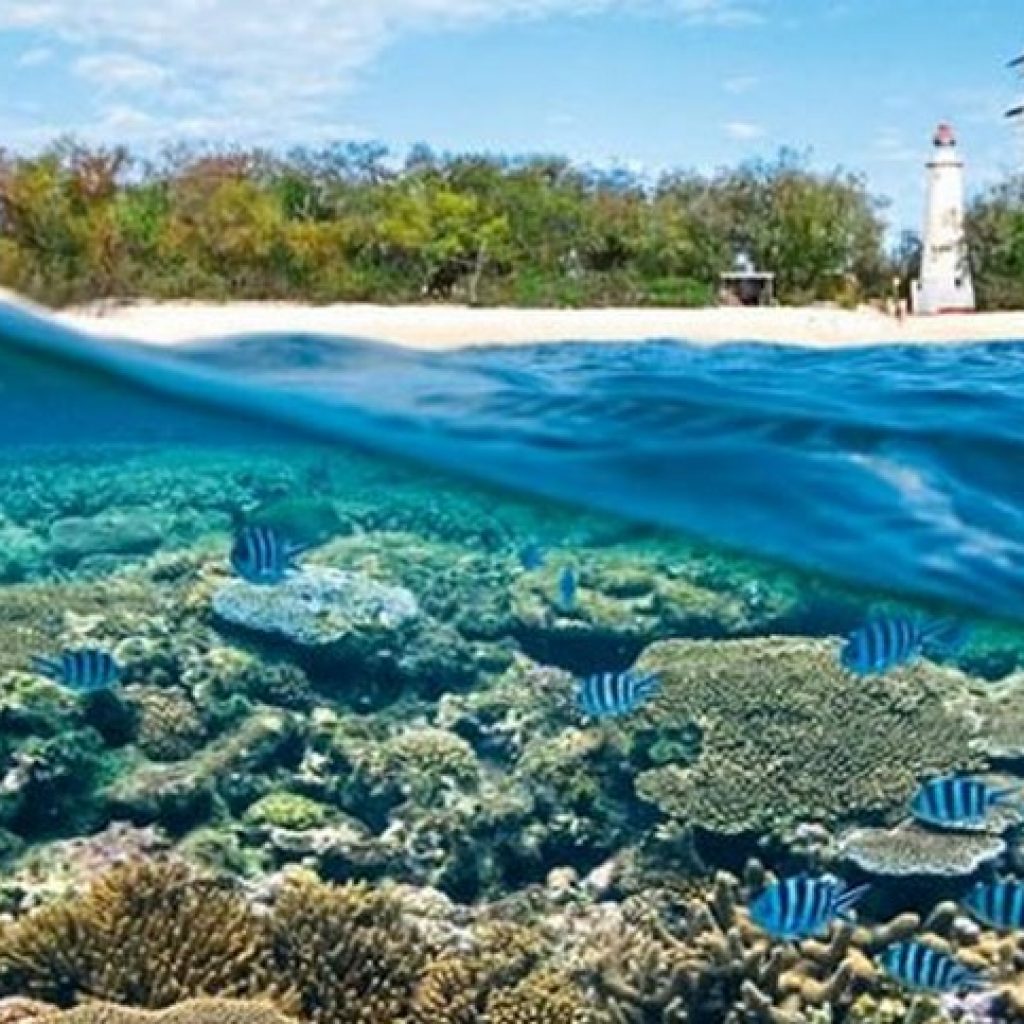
411, 701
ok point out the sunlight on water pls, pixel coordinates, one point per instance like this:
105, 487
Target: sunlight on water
240, 630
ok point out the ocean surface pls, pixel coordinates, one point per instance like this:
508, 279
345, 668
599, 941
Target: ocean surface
571, 684
900, 468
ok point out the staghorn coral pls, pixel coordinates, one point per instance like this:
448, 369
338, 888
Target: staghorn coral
346, 950
717, 966
148, 934
786, 738
169, 728
456, 987
544, 997
193, 1011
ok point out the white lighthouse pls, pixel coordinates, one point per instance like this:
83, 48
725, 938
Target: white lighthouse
945, 285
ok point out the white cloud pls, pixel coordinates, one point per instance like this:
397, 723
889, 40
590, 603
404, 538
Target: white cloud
890, 145
744, 131
250, 62
737, 85
34, 57
112, 71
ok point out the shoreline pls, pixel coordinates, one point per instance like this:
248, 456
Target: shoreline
445, 327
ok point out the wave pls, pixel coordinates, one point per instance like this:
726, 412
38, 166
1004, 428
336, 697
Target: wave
900, 468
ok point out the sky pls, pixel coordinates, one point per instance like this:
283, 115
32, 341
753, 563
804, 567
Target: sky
645, 84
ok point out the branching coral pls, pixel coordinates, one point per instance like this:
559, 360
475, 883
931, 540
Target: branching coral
346, 950
722, 968
146, 934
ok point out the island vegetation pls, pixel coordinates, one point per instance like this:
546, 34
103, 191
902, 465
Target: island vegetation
352, 223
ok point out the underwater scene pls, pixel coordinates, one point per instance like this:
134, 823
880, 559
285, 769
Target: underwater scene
345, 686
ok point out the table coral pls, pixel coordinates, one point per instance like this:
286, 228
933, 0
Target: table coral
912, 850
194, 1011
787, 736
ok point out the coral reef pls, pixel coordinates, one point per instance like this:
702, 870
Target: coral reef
403, 710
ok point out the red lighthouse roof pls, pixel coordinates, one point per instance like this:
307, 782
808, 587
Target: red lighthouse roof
944, 135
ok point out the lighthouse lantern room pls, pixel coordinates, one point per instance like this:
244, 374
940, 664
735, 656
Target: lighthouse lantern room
945, 284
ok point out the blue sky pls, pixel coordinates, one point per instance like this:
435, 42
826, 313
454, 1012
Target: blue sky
644, 83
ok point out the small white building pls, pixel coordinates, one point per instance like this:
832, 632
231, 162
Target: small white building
945, 284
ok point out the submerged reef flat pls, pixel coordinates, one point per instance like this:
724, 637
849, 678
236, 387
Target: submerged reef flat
368, 791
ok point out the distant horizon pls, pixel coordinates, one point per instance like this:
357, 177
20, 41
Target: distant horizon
646, 85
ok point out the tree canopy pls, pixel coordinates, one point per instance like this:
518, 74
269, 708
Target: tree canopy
349, 222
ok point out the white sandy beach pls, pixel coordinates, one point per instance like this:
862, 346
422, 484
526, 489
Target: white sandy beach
447, 327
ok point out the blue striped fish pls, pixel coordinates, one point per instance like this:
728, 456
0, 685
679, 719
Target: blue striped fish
886, 642
612, 694
262, 556
957, 801
920, 967
998, 904
804, 906
82, 670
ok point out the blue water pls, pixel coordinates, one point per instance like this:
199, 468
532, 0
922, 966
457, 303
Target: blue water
899, 468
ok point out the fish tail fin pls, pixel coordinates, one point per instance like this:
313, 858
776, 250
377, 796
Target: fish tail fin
944, 636
648, 683
849, 898
1006, 795
44, 666
972, 981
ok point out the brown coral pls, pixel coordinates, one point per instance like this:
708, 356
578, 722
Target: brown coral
544, 997
146, 934
169, 726
196, 1011
786, 738
346, 950
721, 967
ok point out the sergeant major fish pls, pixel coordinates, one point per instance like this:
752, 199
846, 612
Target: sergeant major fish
920, 967
886, 642
82, 669
804, 906
957, 801
998, 904
611, 694
260, 555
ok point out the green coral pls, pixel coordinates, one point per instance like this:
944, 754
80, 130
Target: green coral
787, 736
288, 811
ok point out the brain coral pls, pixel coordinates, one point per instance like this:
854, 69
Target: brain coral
787, 736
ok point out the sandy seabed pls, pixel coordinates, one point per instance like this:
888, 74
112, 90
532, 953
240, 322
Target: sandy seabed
438, 327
